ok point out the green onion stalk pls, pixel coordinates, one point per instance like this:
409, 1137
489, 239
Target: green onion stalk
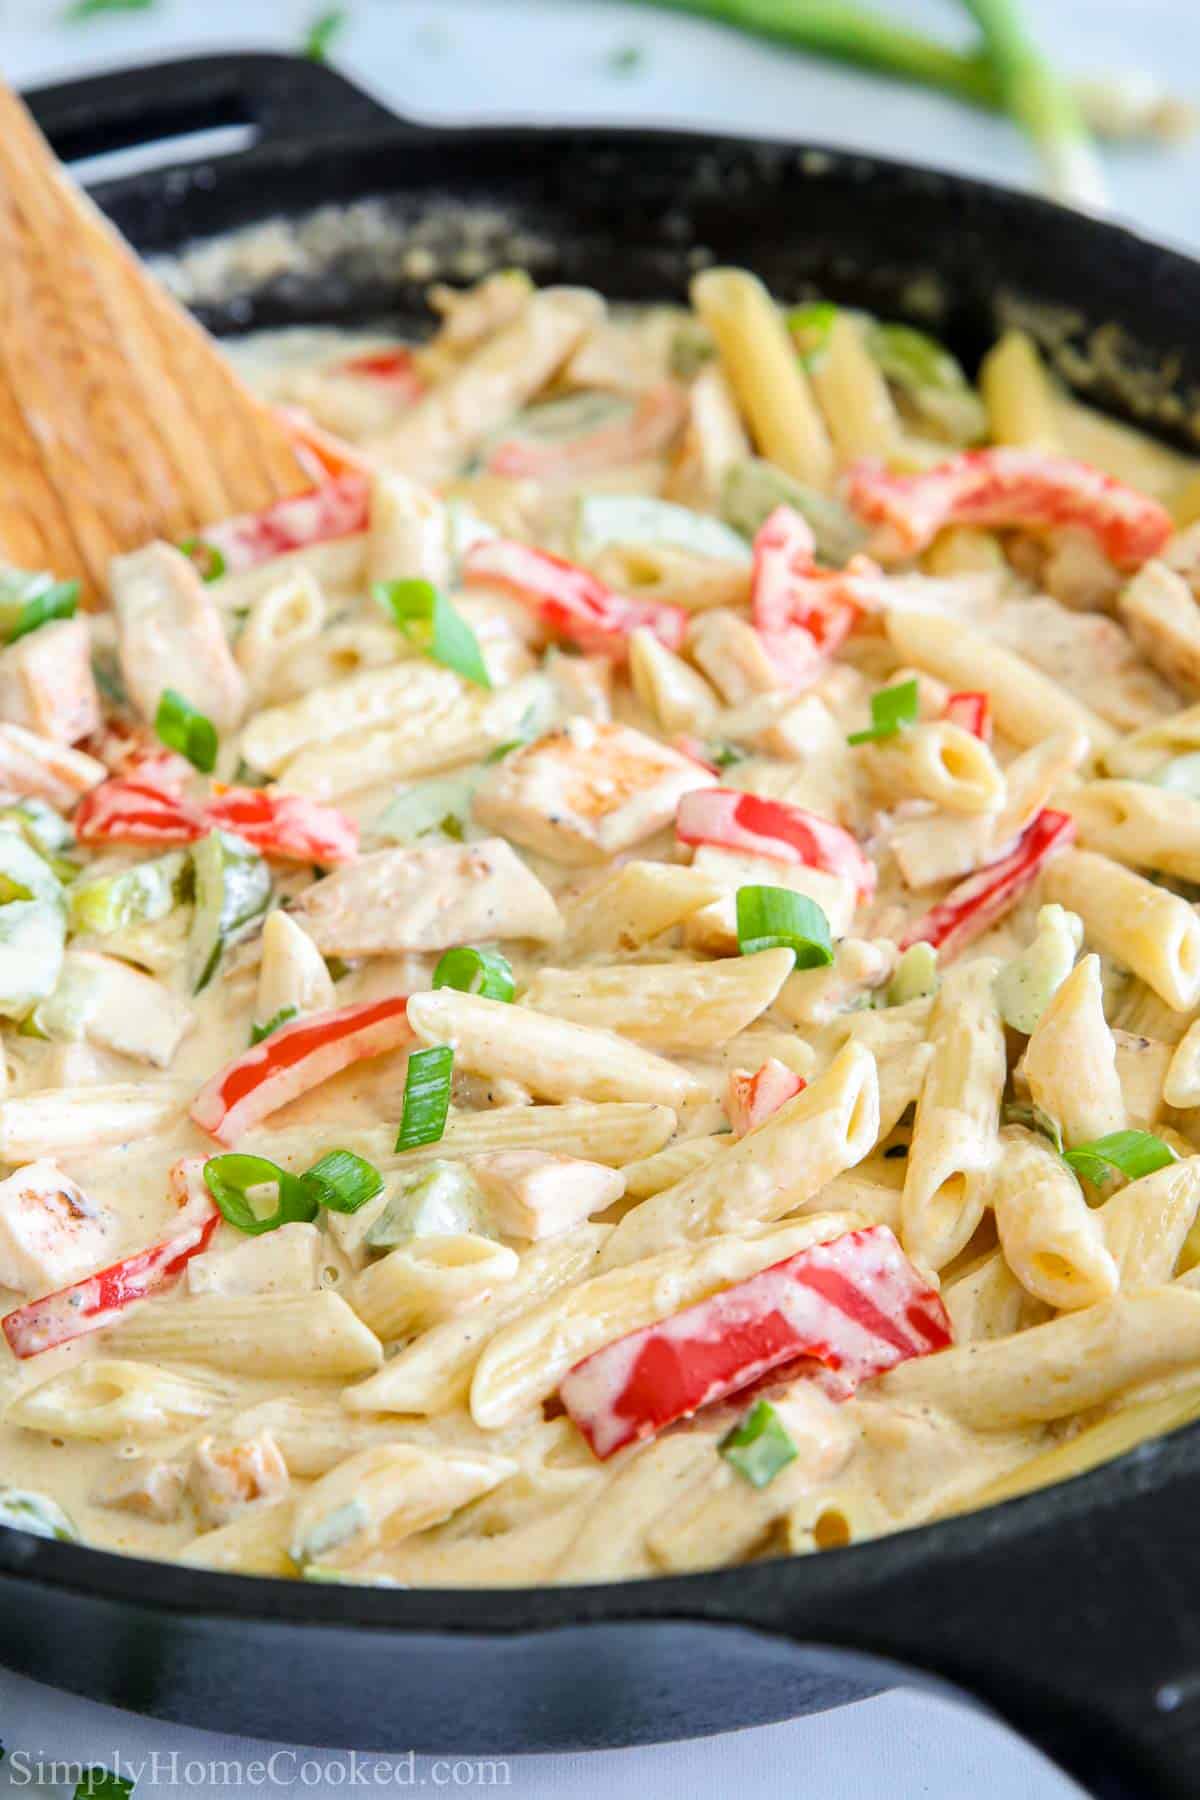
1042, 105
1005, 74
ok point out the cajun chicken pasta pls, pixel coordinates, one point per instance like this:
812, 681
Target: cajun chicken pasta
616, 988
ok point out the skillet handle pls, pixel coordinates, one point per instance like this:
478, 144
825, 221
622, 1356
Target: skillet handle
279, 97
1074, 1614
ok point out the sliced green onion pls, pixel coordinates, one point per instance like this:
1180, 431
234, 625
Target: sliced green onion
810, 327
58, 601
448, 826
913, 359
771, 917
760, 1446
892, 708
24, 1509
180, 727
474, 971
426, 1097
1131, 1153
283, 1017
229, 1179
529, 727
424, 615
722, 755
102, 1784
319, 37
1019, 1112
207, 558
342, 1181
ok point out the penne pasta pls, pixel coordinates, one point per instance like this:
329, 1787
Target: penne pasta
954, 1141
682, 1004
304, 1336
524, 1363
1070, 1062
1149, 930
771, 1171
555, 1058
1027, 705
764, 372
434, 1373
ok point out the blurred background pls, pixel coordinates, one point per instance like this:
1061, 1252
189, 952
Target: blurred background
695, 62
1098, 110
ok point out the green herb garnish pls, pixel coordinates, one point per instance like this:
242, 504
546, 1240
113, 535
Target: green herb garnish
180, 727
427, 618
769, 918
474, 971
1131, 1153
760, 1446
426, 1097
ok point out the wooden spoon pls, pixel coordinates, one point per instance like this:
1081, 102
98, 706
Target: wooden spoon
120, 420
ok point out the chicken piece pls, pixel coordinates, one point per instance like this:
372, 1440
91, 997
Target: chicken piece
1077, 572
586, 791
582, 684
1163, 619
1089, 654
34, 767
714, 928
733, 656
150, 1489
427, 898
225, 1478
46, 682
51, 1233
279, 1262
537, 1194
103, 999
171, 635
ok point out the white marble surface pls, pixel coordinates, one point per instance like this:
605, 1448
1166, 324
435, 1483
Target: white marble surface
561, 60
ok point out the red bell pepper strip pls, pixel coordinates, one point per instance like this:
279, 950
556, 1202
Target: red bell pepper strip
99, 1299
973, 712
856, 1305
393, 369
287, 827
646, 431
294, 1059
751, 1099
336, 509
570, 601
976, 903
1008, 486
126, 811
788, 591
753, 826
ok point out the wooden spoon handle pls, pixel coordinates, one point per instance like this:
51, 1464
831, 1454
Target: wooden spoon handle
120, 420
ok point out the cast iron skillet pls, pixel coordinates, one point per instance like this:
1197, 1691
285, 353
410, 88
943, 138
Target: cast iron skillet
1073, 1613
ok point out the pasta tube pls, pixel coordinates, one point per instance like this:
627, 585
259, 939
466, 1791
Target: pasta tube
1079, 1360
689, 1005
1071, 1061
552, 1057
1153, 932
764, 372
1052, 1240
524, 1363
771, 1171
954, 1139
1028, 706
